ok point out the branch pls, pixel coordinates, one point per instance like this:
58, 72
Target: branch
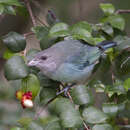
28, 34
30, 12
120, 11
41, 21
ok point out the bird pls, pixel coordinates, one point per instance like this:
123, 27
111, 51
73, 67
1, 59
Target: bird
70, 61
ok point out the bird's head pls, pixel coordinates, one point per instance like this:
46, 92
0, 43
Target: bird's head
44, 61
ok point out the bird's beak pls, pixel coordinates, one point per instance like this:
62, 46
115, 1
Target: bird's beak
33, 62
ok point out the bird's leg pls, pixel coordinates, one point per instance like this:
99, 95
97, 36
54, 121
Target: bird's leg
65, 90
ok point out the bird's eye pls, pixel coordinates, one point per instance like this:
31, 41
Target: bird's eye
43, 57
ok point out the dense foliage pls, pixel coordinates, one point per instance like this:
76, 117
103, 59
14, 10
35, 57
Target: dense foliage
111, 79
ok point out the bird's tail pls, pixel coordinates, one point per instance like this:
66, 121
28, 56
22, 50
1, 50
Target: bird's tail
107, 44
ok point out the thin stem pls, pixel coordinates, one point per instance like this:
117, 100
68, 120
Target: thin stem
30, 12
41, 21
86, 127
120, 11
125, 61
28, 34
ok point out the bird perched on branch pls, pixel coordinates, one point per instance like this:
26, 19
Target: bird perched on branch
70, 61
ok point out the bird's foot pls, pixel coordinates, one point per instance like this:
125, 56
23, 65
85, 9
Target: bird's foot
65, 90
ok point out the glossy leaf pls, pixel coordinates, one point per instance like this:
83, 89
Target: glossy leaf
25, 121
42, 35
40, 31
110, 109
17, 128
31, 54
122, 64
14, 41
117, 21
102, 127
8, 54
108, 29
15, 68
51, 123
127, 84
81, 95
46, 82
9, 10
108, 9
31, 83
117, 88
59, 30
123, 44
1, 9
94, 116
69, 116
10, 2
83, 24
46, 94
34, 125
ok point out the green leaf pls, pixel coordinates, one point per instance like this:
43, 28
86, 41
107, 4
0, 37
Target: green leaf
31, 54
31, 83
81, 95
124, 43
8, 54
40, 31
47, 82
15, 68
9, 10
53, 126
127, 84
69, 116
94, 116
51, 123
97, 40
117, 21
34, 125
122, 64
83, 24
82, 31
1, 9
102, 127
17, 128
108, 9
14, 41
25, 121
10, 2
42, 35
59, 30
46, 94
110, 109
108, 29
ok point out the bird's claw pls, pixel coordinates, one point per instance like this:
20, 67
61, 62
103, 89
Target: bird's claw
65, 91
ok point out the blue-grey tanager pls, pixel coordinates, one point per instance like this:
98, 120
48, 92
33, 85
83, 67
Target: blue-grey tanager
70, 61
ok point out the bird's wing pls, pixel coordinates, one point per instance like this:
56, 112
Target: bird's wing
86, 56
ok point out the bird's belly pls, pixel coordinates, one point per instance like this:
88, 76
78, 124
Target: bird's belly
69, 74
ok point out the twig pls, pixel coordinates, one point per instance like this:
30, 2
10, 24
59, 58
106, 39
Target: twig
86, 127
28, 34
30, 12
120, 11
44, 107
41, 21
125, 62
